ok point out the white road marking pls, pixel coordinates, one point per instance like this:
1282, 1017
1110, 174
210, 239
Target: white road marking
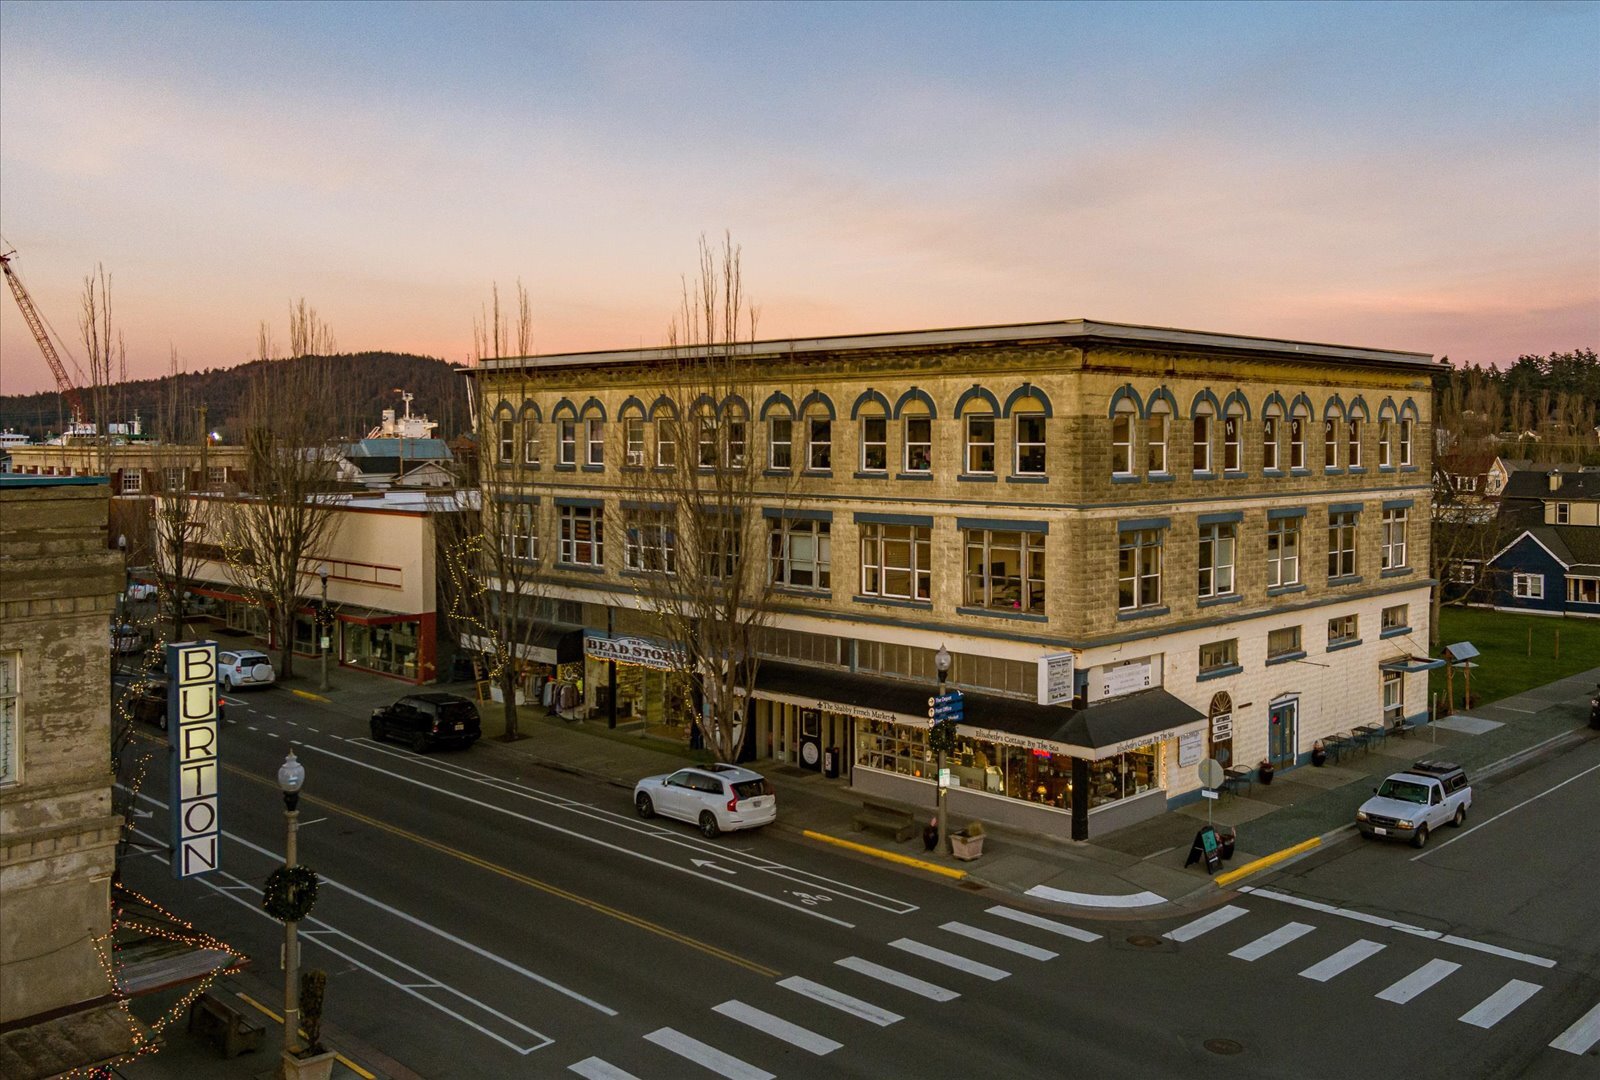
476, 950
1041, 923
253, 728
1464, 833
1582, 1035
1267, 943
1206, 923
1418, 981
1083, 899
1343, 960
270, 734
896, 978
706, 1056
592, 1068
1494, 1008
777, 1027
999, 941
949, 959
1496, 950
1512, 708
315, 730
864, 1010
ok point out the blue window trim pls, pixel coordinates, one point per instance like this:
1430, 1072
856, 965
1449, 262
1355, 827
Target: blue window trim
1394, 631
868, 397
976, 393
1347, 579
775, 472
581, 568
1276, 474
1286, 658
640, 504
1279, 512
1284, 590
1126, 478
1205, 397
1235, 474
914, 476
874, 474
887, 601
809, 594
1002, 525
586, 504
664, 404
1225, 598
1355, 470
1027, 478
1332, 470
924, 520
1397, 571
517, 498
1346, 508
817, 397
1135, 524
594, 404
1224, 518
1409, 468
1335, 646
593, 468
916, 394
826, 474
1024, 392
1358, 409
1299, 472
1333, 408
1219, 673
1125, 392
1203, 474
776, 400
1244, 404
563, 467
1160, 478
632, 404
1144, 613
792, 514
994, 613
1161, 393
977, 478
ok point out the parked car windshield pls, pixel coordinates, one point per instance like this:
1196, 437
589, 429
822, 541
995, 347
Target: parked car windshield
1404, 790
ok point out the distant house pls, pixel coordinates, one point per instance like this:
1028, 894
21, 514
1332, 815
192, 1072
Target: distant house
1552, 562
1499, 474
1460, 486
400, 452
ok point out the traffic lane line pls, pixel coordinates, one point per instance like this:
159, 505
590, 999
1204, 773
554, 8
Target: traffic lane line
891, 856
532, 882
1509, 810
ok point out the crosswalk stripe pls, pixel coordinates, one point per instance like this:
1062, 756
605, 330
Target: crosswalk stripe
1578, 1038
1041, 923
999, 941
827, 995
706, 1056
592, 1068
1494, 1008
949, 959
1267, 943
1343, 960
1418, 981
777, 1027
896, 978
1206, 923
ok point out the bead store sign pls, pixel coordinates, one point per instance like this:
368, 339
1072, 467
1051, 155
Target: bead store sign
192, 731
641, 652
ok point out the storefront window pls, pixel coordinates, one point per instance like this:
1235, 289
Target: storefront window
390, 649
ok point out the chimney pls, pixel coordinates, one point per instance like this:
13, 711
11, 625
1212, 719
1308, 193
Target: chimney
1555, 479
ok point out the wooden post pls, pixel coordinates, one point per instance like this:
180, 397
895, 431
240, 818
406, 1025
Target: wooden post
1449, 683
1467, 694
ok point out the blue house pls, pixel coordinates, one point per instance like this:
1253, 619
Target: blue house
1552, 563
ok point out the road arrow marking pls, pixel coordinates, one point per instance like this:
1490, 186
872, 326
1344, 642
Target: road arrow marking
707, 864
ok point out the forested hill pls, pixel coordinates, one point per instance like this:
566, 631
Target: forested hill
367, 385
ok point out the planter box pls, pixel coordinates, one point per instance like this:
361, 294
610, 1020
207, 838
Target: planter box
312, 1067
966, 848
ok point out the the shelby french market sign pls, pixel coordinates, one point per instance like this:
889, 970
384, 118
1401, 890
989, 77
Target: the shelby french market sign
641, 652
192, 731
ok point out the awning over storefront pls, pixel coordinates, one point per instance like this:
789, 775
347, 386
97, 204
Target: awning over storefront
1410, 665
549, 643
1100, 730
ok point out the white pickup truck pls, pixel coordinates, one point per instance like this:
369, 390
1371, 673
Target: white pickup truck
1410, 805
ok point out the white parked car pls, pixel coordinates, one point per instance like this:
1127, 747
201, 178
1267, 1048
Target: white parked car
141, 590
718, 798
244, 668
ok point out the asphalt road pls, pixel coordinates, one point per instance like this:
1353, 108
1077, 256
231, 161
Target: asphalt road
484, 917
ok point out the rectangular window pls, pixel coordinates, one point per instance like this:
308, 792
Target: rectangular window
1202, 443
508, 441
1218, 655
1155, 443
737, 430
1405, 441
1217, 543
1139, 569
896, 561
723, 542
582, 536
176, 479
1342, 545
980, 444
595, 439
1394, 539
1030, 444
1232, 444
567, 452
666, 444
518, 538
1583, 590
1464, 573
1527, 586
802, 553
1385, 445
819, 444
132, 481
1394, 697
1396, 618
1342, 628
1283, 552
650, 542
875, 444
1563, 513
530, 442
1297, 442
1269, 442
1005, 570
10, 726
1283, 642
216, 474
780, 442
633, 441
1330, 444
1353, 443
706, 439
1122, 444
919, 444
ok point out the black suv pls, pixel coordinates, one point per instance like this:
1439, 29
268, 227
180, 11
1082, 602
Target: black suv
428, 720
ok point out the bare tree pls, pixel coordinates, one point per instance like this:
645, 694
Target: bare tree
273, 539
106, 351
695, 541
177, 456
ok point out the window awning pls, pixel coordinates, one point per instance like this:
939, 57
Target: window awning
1410, 665
1103, 729
549, 643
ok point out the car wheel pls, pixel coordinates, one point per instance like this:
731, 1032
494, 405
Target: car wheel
420, 744
377, 730
646, 808
708, 825
1460, 818
1421, 839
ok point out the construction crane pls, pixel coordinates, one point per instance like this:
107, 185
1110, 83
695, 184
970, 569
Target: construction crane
30, 315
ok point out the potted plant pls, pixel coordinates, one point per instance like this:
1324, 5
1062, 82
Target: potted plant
967, 844
315, 1061
1319, 753
1264, 771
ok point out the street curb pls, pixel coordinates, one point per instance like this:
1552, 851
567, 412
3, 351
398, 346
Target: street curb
308, 695
868, 849
1222, 881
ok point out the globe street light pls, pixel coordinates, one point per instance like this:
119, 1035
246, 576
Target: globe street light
941, 664
291, 776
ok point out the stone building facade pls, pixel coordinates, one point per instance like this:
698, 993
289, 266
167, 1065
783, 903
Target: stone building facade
1222, 539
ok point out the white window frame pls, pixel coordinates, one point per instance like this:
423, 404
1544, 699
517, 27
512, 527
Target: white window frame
1387, 619
1405, 442
633, 441
173, 479
519, 536
1297, 646
1394, 538
1218, 546
594, 441
1340, 622
785, 567
900, 550
572, 546
1140, 578
1578, 584
1202, 438
978, 586
1527, 586
1342, 558
1233, 448
1284, 562
650, 542
1330, 442
1270, 435
132, 481
666, 443
736, 435
530, 441
976, 444
1297, 437
1122, 422
814, 425
508, 441
1157, 437
1229, 656
1025, 447
567, 448
1352, 443
880, 444
786, 443
1394, 696
1385, 443
705, 438
1464, 572
1563, 513
912, 443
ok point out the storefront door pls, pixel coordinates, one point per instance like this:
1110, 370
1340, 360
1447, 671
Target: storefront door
1283, 722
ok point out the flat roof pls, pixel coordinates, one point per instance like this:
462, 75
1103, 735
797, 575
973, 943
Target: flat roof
17, 480
1070, 330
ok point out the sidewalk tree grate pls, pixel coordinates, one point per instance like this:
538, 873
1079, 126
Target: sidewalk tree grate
1224, 1046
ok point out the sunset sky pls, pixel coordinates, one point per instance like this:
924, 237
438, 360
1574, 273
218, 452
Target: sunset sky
1415, 176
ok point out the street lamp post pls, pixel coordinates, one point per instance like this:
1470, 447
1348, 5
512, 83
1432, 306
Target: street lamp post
291, 776
322, 629
941, 663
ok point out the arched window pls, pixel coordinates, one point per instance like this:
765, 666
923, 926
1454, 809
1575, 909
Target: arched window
1386, 436
705, 429
1408, 416
1220, 715
1299, 419
1330, 436
1233, 437
1204, 419
917, 415
1352, 434
1122, 438
1271, 433
736, 433
1157, 429
873, 433
1029, 418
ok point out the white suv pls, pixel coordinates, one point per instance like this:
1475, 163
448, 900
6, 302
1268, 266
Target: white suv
244, 668
718, 798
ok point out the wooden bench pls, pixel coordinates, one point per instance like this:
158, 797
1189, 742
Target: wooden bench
233, 1030
889, 820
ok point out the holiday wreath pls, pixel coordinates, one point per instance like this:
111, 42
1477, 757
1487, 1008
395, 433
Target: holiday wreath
290, 893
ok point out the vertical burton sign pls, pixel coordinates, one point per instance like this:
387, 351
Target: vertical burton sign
192, 730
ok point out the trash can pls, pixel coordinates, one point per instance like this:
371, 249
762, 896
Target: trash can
830, 763
1226, 840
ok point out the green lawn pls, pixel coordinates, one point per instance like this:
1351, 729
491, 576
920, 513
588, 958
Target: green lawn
1506, 666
